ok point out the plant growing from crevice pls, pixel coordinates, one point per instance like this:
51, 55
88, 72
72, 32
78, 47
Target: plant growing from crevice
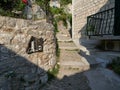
52, 73
63, 18
7, 6
57, 49
55, 26
56, 11
69, 16
65, 2
60, 15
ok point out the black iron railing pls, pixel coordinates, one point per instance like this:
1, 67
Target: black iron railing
101, 23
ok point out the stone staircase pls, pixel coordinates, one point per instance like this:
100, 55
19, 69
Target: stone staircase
70, 60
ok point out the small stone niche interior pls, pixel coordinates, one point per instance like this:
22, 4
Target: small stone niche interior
35, 45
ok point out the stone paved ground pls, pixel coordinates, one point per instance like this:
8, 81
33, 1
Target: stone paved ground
102, 79
74, 82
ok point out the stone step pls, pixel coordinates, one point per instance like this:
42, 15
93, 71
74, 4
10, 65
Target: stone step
71, 56
72, 61
69, 70
64, 31
67, 45
63, 38
107, 79
78, 66
67, 55
91, 59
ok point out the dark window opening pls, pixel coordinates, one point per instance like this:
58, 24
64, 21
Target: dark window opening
35, 45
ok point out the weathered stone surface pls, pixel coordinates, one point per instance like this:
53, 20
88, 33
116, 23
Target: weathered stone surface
34, 12
38, 12
15, 35
68, 8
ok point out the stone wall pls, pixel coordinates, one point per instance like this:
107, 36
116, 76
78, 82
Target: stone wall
55, 3
84, 8
19, 70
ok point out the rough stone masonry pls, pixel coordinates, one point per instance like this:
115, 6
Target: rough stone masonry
18, 69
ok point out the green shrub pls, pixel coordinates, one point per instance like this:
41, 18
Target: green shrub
55, 26
19, 6
44, 4
6, 7
115, 65
52, 73
69, 17
57, 49
65, 2
63, 18
56, 10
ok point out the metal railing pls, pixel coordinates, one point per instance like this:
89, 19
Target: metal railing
101, 23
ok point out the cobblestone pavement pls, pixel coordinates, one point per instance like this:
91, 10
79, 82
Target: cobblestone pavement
74, 82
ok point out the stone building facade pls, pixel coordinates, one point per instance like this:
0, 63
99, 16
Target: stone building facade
18, 69
81, 10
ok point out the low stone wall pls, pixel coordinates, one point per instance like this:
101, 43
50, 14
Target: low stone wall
18, 69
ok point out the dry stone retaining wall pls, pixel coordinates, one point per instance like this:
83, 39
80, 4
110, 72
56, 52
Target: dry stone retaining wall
19, 70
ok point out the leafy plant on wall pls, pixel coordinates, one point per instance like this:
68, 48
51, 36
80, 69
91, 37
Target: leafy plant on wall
65, 2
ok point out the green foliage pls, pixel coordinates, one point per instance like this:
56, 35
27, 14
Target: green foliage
44, 4
6, 7
65, 2
55, 26
55, 10
5, 13
19, 5
60, 15
115, 65
52, 73
63, 18
11, 4
41, 2
69, 17
57, 49
6, 4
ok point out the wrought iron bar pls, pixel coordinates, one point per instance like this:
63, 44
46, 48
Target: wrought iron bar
101, 23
